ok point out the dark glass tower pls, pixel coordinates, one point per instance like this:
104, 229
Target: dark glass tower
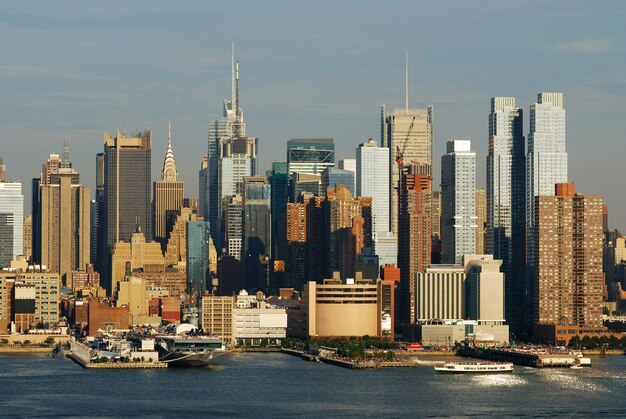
127, 197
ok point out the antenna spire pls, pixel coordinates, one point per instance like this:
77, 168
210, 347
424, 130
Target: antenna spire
237, 89
406, 80
169, 134
232, 70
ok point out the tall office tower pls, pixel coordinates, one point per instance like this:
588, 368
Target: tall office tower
458, 201
279, 183
47, 169
64, 210
296, 235
3, 170
198, 236
436, 227
346, 228
11, 222
481, 216
414, 236
547, 157
506, 200
168, 194
231, 125
317, 237
257, 235
310, 155
331, 176
233, 222
567, 263
99, 253
348, 164
28, 238
409, 138
237, 161
127, 203
546, 165
203, 182
372, 179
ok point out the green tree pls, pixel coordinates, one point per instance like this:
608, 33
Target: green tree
574, 342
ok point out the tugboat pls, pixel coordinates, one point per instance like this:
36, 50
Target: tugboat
184, 348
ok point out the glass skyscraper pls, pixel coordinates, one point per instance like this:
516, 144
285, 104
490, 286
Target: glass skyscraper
506, 199
257, 225
458, 201
331, 176
127, 189
11, 222
197, 255
310, 155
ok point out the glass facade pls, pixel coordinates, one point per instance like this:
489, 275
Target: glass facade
311, 155
11, 222
197, 255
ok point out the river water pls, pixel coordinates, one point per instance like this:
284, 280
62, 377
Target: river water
279, 385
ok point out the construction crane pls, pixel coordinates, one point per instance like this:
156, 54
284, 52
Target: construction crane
400, 153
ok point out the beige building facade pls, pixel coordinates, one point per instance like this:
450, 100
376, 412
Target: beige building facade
65, 224
138, 252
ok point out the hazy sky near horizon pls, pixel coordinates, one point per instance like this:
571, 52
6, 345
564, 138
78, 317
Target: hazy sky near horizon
307, 69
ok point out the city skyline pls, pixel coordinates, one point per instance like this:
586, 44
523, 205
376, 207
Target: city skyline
310, 85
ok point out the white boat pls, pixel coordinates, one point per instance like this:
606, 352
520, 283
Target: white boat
474, 367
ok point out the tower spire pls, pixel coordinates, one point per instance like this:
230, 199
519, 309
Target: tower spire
406, 80
232, 75
237, 89
169, 171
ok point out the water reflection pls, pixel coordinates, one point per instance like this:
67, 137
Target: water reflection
498, 380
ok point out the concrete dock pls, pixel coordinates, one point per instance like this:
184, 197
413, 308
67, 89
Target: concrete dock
528, 358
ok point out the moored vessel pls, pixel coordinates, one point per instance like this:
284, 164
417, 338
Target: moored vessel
474, 367
186, 349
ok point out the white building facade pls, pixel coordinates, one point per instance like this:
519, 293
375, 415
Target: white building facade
458, 201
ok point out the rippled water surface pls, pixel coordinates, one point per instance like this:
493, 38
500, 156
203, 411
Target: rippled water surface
278, 385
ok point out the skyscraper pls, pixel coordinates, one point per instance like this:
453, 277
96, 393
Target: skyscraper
348, 164
458, 201
506, 200
408, 134
65, 222
481, 216
257, 225
11, 220
567, 263
332, 176
237, 161
414, 236
310, 155
203, 182
372, 179
546, 165
127, 163
279, 183
197, 256
168, 194
231, 126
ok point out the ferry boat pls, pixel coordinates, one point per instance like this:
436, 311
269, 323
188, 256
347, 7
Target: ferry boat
185, 349
474, 367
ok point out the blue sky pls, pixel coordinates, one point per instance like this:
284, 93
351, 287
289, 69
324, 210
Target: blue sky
316, 68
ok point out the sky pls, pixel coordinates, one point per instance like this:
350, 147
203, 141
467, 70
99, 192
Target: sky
307, 69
